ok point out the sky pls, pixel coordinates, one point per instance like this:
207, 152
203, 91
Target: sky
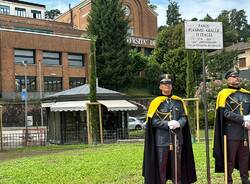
187, 8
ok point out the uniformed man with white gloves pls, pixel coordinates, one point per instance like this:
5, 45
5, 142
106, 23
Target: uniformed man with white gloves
231, 129
168, 150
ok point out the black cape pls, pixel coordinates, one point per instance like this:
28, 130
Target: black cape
218, 148
150, 165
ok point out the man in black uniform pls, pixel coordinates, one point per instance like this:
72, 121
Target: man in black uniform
231, 128
168, 151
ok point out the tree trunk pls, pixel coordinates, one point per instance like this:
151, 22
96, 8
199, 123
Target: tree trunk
93, 106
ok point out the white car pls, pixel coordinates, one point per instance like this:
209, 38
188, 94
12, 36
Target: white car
134, 123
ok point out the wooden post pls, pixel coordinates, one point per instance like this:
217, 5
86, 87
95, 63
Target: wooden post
197, 121
100, 119
1, 127
88, 126
197, 116
225, 160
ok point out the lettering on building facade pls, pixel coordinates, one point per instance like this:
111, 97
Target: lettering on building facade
137, 41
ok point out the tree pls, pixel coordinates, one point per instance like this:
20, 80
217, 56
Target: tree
171, 55
168, 38
152, 74
230, 35
173, 15
107, 22
208, 18
238, 20
235, 26
152, 6
93, 106
51, 14
219, 64
138, 62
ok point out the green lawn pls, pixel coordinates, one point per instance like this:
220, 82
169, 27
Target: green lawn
78, 164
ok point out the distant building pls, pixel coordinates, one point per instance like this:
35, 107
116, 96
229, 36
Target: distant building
22, 9
57, 56
67, 114
143, 24
243, 57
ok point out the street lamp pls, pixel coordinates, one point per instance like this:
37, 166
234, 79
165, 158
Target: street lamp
26, 102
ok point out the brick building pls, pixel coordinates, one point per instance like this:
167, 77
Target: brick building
143, 22
56, 54
22, 8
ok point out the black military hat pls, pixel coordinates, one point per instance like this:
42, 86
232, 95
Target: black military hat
231, 73
166, 79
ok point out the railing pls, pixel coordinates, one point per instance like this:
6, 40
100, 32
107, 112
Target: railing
109, 136
19, 138
38, 137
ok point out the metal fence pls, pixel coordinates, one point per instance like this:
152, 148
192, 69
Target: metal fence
18, 138
38, 137
109, 136
21, 138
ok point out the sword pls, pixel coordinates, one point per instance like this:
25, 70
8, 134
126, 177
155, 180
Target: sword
175, 147
244, 134
170, 130
175, 158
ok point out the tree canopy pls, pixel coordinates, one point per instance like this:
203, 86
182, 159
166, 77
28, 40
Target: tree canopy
153, 6
219, 64
107, 22
51, 14
172, 57
173, 15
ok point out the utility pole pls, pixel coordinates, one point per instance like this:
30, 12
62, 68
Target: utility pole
26, 102
41, 93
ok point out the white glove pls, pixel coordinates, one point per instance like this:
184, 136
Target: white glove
247, 124
246, 118
173, 124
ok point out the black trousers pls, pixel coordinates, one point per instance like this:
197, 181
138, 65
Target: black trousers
236, 147
165, 155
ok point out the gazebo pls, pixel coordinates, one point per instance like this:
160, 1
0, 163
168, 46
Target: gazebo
68, 118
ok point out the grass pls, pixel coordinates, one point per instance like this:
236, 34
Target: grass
78, 164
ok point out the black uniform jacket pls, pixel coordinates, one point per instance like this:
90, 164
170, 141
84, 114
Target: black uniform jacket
218, 147
150, 167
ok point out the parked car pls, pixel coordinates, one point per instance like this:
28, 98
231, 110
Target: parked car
134, 123
142, 119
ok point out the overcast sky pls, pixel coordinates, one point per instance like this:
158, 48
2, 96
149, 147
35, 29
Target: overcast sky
188, 8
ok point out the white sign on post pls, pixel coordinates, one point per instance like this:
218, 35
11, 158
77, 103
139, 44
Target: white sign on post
203, 35
29, 121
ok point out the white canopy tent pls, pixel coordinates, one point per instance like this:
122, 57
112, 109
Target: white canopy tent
112, 105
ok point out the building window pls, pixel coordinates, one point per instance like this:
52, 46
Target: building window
137, 49
51, 58
21, 12
148, 51
20, 83
242, 62
36, 14
76, 60
76, 81
52, 84
130, 31
4, 10
24, 55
